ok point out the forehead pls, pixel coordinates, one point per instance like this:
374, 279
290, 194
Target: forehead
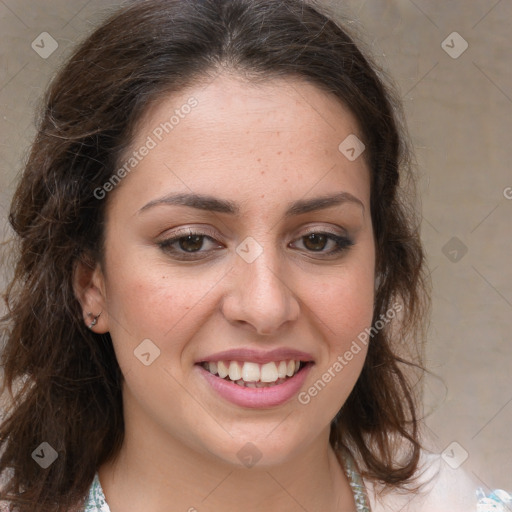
230, 136
228, 104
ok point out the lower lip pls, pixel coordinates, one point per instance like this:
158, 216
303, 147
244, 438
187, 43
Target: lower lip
256, 398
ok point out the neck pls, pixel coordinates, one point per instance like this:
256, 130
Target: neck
152, 472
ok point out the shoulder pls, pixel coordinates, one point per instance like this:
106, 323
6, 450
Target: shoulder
441, 489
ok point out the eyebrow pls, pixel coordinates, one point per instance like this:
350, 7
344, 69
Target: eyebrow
214, 204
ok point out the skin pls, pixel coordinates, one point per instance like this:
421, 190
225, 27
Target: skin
263, 147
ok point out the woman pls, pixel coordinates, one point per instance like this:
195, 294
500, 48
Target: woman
218, 275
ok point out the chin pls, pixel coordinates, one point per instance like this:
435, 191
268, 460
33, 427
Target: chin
256, 448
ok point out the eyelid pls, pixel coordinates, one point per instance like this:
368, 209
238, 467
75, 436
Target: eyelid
323, 229
196, 230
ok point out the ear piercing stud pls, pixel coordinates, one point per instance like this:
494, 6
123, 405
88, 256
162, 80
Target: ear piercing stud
95, 319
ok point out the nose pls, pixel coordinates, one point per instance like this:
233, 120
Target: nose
260, 297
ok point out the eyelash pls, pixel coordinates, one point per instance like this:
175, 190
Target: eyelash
342, 243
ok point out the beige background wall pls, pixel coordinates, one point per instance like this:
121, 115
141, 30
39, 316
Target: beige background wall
460, 117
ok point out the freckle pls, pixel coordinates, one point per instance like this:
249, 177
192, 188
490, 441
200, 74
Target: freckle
279, 152
262, 196
285, 180
259, 159
262, 172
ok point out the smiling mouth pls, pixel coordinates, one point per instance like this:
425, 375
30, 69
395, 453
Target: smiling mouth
253, 375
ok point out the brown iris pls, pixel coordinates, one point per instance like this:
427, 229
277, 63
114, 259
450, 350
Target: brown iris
315, 242
191, 243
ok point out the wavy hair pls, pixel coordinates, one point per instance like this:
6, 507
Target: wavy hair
62, 383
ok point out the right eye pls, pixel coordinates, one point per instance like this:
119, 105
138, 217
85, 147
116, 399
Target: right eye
185, 245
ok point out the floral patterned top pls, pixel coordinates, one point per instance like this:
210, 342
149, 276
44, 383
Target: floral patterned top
96, 501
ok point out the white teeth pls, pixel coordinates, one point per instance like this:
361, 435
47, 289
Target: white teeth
250, 372
222, 369
254, 374
235, 372
281, 370
269, 372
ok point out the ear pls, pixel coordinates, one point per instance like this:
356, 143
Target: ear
89, 288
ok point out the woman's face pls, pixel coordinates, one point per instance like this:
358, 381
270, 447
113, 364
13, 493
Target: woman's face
279, 267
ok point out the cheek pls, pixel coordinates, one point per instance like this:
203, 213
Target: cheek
342, 308
343, 314
147, 294
343, 303
156, 302
152, 304
346, 299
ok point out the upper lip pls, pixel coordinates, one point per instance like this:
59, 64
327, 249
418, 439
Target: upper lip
258, 356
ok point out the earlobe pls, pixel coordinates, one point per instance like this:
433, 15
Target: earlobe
94, 320
89, 288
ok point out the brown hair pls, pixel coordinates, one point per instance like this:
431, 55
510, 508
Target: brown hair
64, 380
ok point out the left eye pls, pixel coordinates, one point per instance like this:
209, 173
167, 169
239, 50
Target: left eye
317, 242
